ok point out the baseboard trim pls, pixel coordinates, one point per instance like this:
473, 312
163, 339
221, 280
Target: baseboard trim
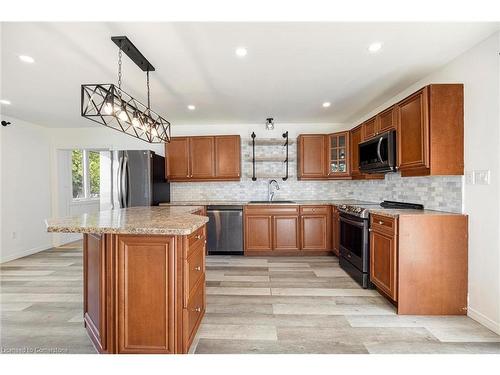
25, 253
484, 320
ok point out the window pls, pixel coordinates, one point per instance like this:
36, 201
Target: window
85, 171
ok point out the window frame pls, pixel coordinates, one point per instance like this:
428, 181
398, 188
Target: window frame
86, 178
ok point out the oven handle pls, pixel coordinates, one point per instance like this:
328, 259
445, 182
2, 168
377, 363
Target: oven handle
352, 222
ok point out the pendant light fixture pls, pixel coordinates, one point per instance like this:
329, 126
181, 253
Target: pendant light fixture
108, 105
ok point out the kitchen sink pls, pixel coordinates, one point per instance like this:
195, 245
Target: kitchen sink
271, 202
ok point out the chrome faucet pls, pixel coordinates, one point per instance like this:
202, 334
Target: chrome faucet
270, 190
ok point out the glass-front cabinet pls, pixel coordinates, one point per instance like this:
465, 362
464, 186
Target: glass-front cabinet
338, 154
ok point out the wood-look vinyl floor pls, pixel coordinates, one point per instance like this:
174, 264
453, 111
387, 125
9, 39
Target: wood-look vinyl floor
254, 305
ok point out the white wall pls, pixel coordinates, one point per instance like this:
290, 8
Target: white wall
479, 70
25, 196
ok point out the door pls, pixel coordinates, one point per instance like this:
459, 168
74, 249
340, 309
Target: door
314, 232
311, 161
201, 161
94, 292
338, 154
355, 140
413, 131
369, 128
383, 262
228, 157
177, 158
258, 233
145, 294
286, 232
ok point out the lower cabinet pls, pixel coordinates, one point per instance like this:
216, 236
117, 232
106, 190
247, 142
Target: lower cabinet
278, 228
383, 256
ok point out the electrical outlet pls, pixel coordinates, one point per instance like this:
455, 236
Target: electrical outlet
482, 177
469, 178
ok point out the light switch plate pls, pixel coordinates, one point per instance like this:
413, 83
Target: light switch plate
469, 178
482, 177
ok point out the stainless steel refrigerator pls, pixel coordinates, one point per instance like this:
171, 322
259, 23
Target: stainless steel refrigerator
132, 178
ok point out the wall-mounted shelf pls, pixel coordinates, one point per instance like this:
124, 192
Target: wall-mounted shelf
273, 159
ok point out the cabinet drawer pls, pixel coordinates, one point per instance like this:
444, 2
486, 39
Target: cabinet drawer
383, 223
315, 209
271, 209
193, 313
194, 269
195, 239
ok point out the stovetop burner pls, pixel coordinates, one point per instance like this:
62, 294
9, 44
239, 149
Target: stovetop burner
361, 210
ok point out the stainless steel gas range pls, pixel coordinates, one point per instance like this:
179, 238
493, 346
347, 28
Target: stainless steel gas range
355, 238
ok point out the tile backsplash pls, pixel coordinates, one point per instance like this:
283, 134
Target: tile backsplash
442, 193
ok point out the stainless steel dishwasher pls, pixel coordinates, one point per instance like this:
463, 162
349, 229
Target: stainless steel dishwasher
225, 230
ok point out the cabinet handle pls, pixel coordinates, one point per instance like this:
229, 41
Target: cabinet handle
198, 268
370, 230
198, 236
381, 222
196, 309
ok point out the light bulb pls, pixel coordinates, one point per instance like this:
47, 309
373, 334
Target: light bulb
136, 122
154, 132
123, 115
108, 108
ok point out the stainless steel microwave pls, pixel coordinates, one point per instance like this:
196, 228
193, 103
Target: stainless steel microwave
378, 155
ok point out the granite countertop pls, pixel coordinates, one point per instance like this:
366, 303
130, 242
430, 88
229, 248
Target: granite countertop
134, 220
391, 212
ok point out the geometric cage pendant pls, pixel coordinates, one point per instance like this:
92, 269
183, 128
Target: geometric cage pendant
110, 106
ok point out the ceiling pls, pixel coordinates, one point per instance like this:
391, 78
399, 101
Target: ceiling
289, 71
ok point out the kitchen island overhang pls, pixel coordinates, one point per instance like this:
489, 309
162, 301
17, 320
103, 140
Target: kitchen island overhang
144, 277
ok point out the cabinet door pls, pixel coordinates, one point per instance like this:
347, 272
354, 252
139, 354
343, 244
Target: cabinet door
338, 155
258, 232
177, 158
355, 140
383, 262
145, 294
387, 120
369, 128
314, 232
413, 131
286, 232
94, 292
201, 152
227, 157
311, 158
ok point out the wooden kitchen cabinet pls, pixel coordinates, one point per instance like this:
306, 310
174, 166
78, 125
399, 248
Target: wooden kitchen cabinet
201, 157
286, 232
311, 158
177, 159
227, 156
315, 228
383, 255
205, 158
258, 232
338, 155
430, 134
369, 128
386, 120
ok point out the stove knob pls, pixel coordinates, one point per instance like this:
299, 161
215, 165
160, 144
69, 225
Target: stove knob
358, 209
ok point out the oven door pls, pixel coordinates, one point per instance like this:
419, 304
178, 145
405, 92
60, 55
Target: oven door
354, 240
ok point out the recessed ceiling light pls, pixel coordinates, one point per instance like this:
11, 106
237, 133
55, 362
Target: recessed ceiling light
241, 51
26, 59
5, 101
191, 107
374, 47
326, 104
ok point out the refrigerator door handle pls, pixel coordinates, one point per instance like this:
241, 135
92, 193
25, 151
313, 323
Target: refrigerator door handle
120, 182
126, 178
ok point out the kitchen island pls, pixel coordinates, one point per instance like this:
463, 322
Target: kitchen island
144, 277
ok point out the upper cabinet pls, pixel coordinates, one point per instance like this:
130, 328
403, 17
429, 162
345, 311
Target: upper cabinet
206, 158
338, 154
384, 121
369, 128
430, 131
311, 158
